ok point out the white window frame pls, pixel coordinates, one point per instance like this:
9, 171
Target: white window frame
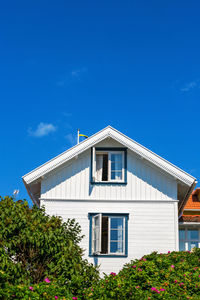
99, 231
186, 240
98, 252
94, 177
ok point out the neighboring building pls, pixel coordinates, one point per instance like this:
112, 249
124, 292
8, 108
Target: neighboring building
125, 197
189, 223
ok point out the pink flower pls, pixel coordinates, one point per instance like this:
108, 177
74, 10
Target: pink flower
113, 274
133, 267
184, 275
168, 252
31, 288
155, 290
56, 297
175, 281
47, 280
137, 287
181, 283
172, 266
75, 298
162, 290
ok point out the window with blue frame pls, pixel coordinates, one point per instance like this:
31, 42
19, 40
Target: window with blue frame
189, 238
108, 234
109, 165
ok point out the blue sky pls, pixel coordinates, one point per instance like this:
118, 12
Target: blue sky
64, 65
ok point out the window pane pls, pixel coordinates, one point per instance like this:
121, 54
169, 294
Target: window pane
192, 245
96, 221
181, 234
116, 247
116, 157
116, 235
116, 166
116, 175
181, 246
193, 235
116, 223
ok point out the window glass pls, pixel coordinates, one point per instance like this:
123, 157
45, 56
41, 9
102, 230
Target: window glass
116, 235
116, 223
116, 166
116, 247
181, 234
193, 235
192, 245
116, 157
181, 245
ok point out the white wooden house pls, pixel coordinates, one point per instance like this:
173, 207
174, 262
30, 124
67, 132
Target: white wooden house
125, 197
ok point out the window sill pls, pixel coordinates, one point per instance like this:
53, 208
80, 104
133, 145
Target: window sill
108, 255
109, 182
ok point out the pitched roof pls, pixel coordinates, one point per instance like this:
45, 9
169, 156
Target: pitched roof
193, 201
109, 131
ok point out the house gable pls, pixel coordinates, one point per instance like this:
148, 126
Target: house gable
70, 172
73, 181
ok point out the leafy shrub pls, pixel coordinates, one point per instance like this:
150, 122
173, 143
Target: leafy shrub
174, 275
42, 290
34, 246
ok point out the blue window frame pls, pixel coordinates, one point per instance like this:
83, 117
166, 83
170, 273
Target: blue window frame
189, 238
108, 234
108, 165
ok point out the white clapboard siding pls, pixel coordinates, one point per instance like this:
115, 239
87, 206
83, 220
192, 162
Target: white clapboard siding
152, 225
72, 181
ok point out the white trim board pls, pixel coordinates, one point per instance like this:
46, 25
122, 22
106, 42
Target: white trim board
121, 138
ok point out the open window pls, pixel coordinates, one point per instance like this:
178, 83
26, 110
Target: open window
108, 165
109, 234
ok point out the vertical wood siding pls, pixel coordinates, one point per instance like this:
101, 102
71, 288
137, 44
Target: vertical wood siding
72, 181
151, 226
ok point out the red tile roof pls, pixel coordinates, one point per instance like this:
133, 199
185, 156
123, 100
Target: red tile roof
193, 201
190, 213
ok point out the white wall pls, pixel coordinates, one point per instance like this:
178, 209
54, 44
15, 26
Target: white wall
145, 182
152, 225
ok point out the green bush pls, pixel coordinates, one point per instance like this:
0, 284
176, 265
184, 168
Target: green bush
40, 258
34, 246
42, 290
174, 275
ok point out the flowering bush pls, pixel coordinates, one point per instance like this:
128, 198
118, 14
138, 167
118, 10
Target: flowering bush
42, 290
174, 275
40, 259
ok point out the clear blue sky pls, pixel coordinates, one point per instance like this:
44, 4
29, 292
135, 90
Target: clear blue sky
134, 65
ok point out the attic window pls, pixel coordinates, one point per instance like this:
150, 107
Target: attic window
108, 165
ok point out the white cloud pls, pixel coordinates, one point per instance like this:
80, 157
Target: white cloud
191, 85
74, 76
71, 138
42, 129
